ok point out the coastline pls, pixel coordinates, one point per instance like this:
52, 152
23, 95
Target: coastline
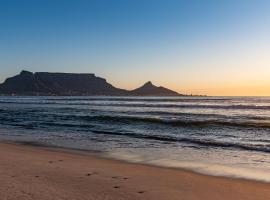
31, 172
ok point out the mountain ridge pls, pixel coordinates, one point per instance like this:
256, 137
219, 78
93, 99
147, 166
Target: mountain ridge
72, 84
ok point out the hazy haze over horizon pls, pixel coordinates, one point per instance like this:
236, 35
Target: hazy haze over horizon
200, 47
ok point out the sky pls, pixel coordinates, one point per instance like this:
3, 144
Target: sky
211, 47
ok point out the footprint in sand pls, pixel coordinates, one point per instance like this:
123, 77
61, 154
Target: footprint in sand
141, 192
90, 174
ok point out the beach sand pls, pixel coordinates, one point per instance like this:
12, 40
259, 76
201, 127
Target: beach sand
37, 173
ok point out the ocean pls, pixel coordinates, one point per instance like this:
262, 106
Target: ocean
222, 136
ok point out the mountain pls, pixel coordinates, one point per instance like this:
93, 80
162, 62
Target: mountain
70, 84
43, 83
148, 89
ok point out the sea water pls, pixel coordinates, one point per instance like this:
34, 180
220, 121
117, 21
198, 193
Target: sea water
224, 136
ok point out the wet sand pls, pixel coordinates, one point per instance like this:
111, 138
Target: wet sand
37, 173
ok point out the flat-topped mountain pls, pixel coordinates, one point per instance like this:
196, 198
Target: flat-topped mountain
64, 84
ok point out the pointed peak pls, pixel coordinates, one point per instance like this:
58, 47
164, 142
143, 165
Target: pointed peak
148, 83
24, 72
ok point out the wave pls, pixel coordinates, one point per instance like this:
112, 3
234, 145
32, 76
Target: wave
77, 112
147, 105
177, 122
198, 142
191, 106
202, 115
201, 142
136, 99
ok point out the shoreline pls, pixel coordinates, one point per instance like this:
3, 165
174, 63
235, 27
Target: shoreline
68, 174
192, 167
222, 171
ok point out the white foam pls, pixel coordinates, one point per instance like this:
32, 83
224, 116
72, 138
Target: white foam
198, 167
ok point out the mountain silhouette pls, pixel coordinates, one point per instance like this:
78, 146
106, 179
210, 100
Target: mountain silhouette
148, 89
72, 84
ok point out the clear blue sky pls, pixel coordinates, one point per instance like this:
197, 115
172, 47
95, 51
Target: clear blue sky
192, 46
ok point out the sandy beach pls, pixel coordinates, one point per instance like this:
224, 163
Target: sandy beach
28, 172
